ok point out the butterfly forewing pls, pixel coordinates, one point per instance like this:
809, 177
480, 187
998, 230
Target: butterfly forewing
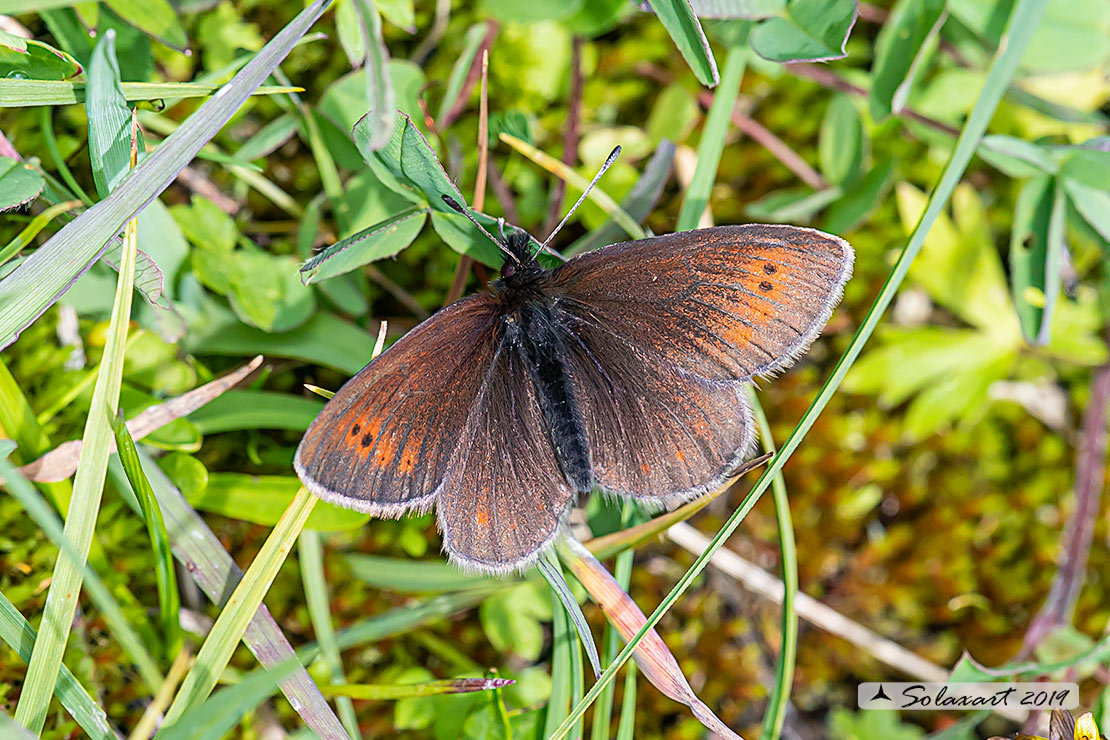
725, 303
388, 438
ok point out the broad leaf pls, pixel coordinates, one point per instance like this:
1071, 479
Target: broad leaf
812, 31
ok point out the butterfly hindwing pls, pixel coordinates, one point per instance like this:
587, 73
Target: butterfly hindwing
504, 500
389, 437
654, 431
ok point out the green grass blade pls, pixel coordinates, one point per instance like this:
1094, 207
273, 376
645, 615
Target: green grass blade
677, 16
24, 93
169, 601
406, 618
551, 571
1023, 23
713, 139
775, 715
459, 71
311, 549
88, 484
228, 630
19, 635
241, 409
46, 120
24, 238
49, 271
109, 117
218, 715
561, 639
622, 572
99, 594
380, 692
210, 566
379, 85
626, 728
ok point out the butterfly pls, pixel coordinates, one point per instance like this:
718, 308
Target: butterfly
622, 369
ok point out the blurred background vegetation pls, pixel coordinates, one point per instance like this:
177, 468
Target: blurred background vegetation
933, 500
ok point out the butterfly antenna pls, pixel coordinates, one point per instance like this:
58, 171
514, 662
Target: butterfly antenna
499, 242
608, 163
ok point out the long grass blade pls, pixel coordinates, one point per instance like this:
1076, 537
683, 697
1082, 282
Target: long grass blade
22, 93
169, 601
311, 550
549, 568
775, 715
713, 139
622, 572
49, 271
1023, 22
562, 637
61, 600
216, 651
19, 635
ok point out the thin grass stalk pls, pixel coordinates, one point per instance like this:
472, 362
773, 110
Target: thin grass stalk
88, 485
1023, 22
169, 600
228, 630
713, 139
30, 231
775, 716
311, 550
622, 571
144, 728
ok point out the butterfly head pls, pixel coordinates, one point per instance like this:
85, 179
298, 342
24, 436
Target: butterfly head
520, 260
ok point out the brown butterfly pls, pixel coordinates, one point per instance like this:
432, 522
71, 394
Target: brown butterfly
622, 369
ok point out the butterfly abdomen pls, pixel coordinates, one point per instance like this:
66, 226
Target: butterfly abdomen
541, 345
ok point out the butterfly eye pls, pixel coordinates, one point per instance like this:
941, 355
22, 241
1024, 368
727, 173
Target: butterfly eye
508, 269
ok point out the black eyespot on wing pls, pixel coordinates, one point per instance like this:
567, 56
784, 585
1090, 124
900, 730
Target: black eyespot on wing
355, 430
769, 268
765, 286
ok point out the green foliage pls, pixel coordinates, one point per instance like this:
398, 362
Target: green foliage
300, 227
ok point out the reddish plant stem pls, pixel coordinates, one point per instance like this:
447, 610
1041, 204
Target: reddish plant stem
1090, 471
570, 137
776, 146
831, 80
